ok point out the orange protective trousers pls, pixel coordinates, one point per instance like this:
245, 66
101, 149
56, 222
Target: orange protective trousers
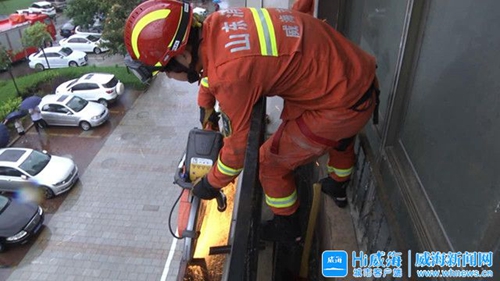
295, 149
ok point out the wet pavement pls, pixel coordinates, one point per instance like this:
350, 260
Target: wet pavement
113, 224
70, 142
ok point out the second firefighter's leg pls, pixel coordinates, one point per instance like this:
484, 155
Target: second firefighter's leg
340, 167
277, 179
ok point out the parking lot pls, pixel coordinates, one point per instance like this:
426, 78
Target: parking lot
113, 223
79, 145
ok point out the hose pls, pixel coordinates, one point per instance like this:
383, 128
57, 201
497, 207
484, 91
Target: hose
170, 217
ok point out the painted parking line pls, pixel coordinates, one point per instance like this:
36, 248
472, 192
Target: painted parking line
82, 134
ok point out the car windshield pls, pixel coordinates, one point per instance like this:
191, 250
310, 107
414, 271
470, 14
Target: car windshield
93, 38
35, 162
77, 103
4, 201
66, 51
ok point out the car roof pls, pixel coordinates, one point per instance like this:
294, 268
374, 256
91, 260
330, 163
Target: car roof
55, 99
9, 156
78, 36
42, 3
101, 78
53, 49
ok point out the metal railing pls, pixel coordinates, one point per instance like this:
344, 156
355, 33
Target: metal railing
241, 263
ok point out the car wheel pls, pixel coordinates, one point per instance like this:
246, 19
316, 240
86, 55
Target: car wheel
103, 102
97, 51
73, 64
42, 124
40, 67
85, 125
47, 192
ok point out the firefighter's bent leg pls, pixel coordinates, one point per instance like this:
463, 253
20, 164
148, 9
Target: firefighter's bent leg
276, 169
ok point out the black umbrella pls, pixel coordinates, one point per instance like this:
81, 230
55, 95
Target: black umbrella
4, 135
30, 102
15, 115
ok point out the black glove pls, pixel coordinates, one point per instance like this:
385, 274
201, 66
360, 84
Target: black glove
203, 190
209, 118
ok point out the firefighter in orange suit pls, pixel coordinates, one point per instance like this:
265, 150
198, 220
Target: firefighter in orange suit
304, 6
242, 54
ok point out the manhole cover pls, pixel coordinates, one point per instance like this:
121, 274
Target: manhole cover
108, 163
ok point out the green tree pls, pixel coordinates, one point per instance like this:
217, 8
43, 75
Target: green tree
114, 13
36, 35
5, 62
4, 58
83, 12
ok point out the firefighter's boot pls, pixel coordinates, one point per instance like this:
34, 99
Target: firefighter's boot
281, 229
336, 190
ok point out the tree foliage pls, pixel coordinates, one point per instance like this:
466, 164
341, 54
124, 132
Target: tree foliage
83, 12
114, 13
36, 35
4, 58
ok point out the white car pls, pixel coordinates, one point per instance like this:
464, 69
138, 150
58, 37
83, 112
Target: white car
84, 43
25, 167
100, 87
71, 110
57, 57
42, 7
95, 30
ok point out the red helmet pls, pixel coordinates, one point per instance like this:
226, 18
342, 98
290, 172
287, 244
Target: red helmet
158, 30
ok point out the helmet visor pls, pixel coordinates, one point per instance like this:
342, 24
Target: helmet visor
141, 71
146, 72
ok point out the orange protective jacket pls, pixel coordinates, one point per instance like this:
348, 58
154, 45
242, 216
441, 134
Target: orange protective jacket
248, 53
304, 6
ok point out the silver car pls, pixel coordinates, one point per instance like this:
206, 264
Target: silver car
71, 110
25, 167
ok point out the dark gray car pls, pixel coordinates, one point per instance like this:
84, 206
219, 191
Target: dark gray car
18, 221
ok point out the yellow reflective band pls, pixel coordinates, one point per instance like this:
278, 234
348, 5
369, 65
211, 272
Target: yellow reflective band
156, 72
228, 171
142, 23
340, 172
204, 82
283, 202
265, 30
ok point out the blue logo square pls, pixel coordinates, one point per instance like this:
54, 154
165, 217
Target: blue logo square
334, 263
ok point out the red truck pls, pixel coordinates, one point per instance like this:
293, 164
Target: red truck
11, 31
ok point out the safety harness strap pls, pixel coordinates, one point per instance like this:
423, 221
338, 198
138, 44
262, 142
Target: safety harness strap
374, 88
340, 145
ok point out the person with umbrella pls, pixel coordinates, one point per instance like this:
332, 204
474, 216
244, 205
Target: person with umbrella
31, 105
16, 117
36, 117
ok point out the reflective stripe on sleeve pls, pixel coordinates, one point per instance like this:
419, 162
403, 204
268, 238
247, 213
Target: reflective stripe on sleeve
226, 170
340, 172
265, 30
282, 202
204, 82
